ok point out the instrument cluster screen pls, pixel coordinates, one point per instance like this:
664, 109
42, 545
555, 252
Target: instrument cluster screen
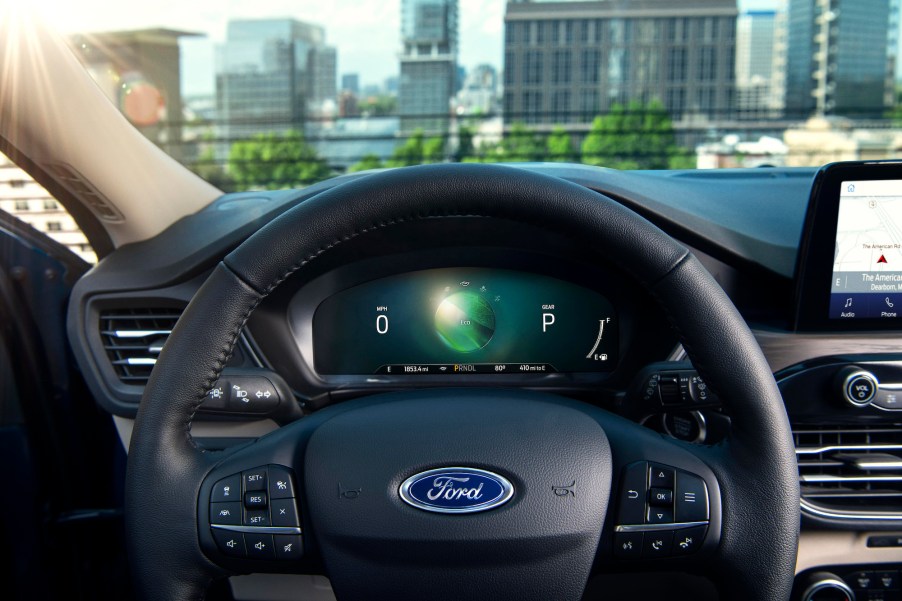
456, 321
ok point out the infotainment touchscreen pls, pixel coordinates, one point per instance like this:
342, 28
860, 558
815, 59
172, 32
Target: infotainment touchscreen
849, 271
867, 260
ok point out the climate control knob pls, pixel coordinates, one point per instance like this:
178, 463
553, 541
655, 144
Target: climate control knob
857, 386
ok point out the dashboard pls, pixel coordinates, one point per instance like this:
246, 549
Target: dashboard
469, 301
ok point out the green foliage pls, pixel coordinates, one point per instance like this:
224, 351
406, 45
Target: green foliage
633, 137
520, 144
208, 168
272, 161
559, 146
417, 151
369, 161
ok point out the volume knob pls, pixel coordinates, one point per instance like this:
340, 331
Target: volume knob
858, 387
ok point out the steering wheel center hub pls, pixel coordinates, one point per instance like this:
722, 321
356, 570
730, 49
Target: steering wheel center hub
515, 487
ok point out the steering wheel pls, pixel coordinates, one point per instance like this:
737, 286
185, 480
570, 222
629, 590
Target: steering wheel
462, 494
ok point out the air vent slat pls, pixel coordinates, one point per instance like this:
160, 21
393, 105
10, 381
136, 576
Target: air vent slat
133, 339
851, 473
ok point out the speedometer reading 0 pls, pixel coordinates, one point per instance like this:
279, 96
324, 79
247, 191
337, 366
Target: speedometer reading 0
457, 321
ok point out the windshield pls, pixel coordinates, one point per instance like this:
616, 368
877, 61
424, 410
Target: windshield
276, 94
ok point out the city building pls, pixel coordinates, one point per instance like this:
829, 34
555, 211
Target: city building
350, 82
754, 63
479, 94
566, 62
836, 57
272, 73
732, 152
823, 140
139, 71
27, 200
428, 77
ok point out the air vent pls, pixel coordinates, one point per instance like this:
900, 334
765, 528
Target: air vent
850, 473
133, 339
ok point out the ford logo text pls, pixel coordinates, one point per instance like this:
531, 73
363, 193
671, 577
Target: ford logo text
456, 490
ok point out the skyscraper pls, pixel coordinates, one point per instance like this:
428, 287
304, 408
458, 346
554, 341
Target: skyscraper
428, 64
270, 74
754, 62
565, 62
838, 57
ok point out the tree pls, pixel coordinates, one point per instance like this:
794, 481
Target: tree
634, 137
272, 161
521, 144
367, 162
465, 147
417, 151
559, 146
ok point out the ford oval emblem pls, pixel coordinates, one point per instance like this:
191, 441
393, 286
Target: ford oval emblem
456, 490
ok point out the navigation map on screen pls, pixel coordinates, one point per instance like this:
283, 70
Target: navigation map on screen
867, 261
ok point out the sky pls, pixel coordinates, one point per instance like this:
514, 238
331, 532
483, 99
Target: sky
365, 32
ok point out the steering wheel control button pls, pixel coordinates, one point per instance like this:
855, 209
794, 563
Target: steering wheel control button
255, 499
633, 492
691, 498
660, 497
259, 546
657, 544
280, 482
227, 489
628, 545
256, 517
288, 546
284, 513
255, 479
661, 476
226, 513
230, 543
660, 515
688, 540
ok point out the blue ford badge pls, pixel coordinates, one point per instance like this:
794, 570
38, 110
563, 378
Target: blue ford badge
456, 490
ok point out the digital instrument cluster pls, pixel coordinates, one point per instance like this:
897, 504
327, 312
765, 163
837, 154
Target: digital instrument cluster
455, 321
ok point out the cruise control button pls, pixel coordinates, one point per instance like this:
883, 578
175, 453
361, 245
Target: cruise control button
688, 540
259, 546
255, 499
661, 476
284, 513
657, 544
288, 546
691, 498
256, 517
225, 513
660, 515
660, 497
255, 479
280, 482
633, 492
227, 489
230, 543
628, 545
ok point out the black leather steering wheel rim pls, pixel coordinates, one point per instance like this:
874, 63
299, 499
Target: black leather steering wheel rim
755, 467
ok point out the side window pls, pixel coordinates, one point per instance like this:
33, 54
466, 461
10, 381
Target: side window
25, 199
